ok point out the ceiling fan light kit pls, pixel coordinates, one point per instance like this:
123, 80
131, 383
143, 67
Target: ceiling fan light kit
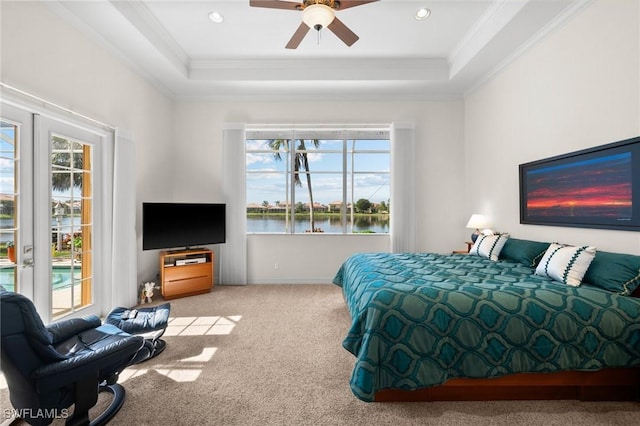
316, 14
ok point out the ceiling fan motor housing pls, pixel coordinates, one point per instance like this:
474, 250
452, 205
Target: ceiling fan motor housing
333, 4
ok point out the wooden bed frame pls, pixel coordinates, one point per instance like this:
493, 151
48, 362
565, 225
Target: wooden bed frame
613, 384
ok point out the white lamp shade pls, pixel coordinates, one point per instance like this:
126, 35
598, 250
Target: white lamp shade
477, 221
317, 14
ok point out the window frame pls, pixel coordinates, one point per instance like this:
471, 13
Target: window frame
348, 137
80, 258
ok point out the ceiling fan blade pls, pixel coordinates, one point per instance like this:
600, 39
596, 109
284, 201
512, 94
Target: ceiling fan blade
298, 36
343, 33
346, 4
275, 4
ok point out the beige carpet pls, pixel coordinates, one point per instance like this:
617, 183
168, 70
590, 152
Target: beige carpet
272, 355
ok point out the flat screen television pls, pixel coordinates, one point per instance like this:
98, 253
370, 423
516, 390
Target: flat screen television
182, 225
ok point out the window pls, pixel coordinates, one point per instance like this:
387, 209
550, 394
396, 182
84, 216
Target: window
8, 195
318, 181
71, 225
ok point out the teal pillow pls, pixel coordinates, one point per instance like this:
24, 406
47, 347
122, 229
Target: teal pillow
526, 252
616, 272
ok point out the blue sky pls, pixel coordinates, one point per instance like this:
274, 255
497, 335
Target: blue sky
6, 160
327, 185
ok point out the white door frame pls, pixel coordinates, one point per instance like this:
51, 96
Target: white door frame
24, 220
45, 128
34, 254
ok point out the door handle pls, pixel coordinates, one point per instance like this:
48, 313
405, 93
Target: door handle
27, 263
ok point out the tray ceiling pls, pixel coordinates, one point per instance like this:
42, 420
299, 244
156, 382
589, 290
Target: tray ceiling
179, 49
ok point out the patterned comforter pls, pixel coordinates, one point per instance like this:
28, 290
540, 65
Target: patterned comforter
420, 319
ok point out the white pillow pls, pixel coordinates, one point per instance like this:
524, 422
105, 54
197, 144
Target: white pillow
489, 246
566, 264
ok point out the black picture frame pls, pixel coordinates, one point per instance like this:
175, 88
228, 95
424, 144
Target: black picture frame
591, 188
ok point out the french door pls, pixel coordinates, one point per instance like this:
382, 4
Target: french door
16, 201
48, 203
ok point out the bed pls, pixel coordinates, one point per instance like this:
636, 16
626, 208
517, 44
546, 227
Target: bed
429, 326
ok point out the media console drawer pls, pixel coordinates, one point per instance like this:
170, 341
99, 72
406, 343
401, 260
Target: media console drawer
186, 272
185, 287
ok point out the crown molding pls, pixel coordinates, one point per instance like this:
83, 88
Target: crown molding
141, 18
320, 69
76, 15
556, 23
488, 26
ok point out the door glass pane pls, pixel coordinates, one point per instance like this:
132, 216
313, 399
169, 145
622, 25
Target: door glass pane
8, 204
71, 225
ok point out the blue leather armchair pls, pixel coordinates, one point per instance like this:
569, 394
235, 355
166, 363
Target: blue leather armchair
48, 369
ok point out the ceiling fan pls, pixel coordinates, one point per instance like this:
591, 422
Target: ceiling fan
316, 14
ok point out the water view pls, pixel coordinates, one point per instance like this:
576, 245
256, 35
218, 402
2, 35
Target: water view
378, 224
66, 225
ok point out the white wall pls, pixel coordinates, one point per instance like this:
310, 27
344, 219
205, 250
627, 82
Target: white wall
316, 258
179, 146
304, 259
577, 88
44, 56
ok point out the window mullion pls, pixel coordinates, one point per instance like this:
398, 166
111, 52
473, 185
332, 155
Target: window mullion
292, 159
353, 168
343, 210
288, 224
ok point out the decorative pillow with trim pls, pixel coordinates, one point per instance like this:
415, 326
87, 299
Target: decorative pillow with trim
489, 246
616, 272
526, 252
566, 264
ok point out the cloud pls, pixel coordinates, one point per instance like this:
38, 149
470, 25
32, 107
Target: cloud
259, 159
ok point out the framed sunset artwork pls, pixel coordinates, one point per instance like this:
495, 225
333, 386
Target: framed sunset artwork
592, 188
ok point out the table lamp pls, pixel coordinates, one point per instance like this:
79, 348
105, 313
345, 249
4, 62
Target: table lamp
476, 221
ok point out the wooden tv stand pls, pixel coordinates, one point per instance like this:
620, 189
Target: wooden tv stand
186, 272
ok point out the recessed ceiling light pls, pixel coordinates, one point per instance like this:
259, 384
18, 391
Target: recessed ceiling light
216, 17
423, 13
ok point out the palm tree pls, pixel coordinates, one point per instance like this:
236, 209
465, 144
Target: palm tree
301, 161
61, 161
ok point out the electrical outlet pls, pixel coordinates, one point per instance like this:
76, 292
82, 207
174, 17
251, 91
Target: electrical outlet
276, 266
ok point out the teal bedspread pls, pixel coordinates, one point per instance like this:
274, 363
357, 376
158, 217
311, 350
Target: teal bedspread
421, 319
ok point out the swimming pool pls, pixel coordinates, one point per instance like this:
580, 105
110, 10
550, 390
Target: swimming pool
61, 277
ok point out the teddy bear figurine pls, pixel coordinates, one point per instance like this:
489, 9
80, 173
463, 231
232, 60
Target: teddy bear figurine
148, 291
